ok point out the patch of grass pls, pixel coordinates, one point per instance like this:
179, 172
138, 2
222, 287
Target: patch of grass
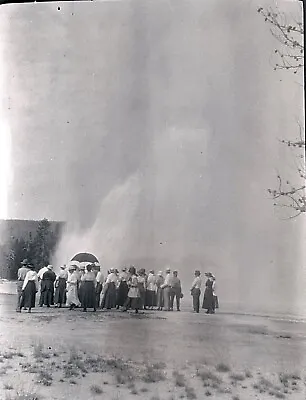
208, 393
70, 371
223, 368
9, 355
8, 386
179, 379
96, 389
45, 378
237, 377
38, 352
73, 382
248, 374
209, 378
190, 393
152, 375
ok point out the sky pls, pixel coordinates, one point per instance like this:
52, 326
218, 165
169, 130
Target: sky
152, 128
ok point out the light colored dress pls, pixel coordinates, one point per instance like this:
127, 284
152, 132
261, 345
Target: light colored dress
72, 290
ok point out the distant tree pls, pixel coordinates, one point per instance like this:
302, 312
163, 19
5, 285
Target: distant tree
17, 251
290, 56
42, 245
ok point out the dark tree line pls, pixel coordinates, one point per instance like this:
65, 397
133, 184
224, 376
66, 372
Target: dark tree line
37, 249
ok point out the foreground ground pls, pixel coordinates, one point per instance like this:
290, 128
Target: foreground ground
62, 354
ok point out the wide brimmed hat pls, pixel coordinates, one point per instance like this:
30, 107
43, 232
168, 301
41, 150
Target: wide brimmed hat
72, 268
197, 272
160, 273
124, 269
111, 270
208, 274
168, 269
25, 262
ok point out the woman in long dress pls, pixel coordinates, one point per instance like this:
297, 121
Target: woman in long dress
99, 286
133, 301
160, 295
60, 287
29, 289
109, 296
72, 288
216, 300
142, 283
208, 301
89, 289
81, 273
151, 290
123, 288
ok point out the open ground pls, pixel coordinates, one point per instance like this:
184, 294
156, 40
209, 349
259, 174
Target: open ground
62, 354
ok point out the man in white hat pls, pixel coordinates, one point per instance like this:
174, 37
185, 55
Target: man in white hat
166, 286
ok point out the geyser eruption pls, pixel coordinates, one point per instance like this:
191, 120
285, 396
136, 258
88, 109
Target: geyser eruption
108, 237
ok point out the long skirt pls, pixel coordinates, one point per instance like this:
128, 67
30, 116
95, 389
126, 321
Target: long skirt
122, 293
109, 297
142, 292
208, 301
60, 292
216, 300
88, 295
98, 293
150, 298
28, 296
160, 298
72, 296
80, 291
47, 294
134, 303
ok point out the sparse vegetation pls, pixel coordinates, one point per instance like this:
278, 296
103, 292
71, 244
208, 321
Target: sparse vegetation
96, 389
45, 378
223, 368
237, 377
190, 393
179, 379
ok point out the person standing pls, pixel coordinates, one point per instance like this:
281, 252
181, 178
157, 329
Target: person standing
72, 288
99, 286
133, 301
81, 273
175, 291
151, 289
29, 289
196, 291
89, 289
21, 274
160, 294
60, 287
123, 289
208, 301
216, 300
109, 291
41, 286
47, 294
142, 287
166, 286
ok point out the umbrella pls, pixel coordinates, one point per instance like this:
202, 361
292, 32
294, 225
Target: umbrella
85, 258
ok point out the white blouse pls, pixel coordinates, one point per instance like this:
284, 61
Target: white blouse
31, 276
197, 283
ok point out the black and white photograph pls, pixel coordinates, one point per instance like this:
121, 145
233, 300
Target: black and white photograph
152, 200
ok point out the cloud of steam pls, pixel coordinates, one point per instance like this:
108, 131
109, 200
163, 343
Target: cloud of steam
108, 238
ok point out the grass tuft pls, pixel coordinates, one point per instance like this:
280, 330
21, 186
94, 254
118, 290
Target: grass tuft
96, 389
223, 368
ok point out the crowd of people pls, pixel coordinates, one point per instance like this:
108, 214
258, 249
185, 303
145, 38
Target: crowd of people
86, 287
